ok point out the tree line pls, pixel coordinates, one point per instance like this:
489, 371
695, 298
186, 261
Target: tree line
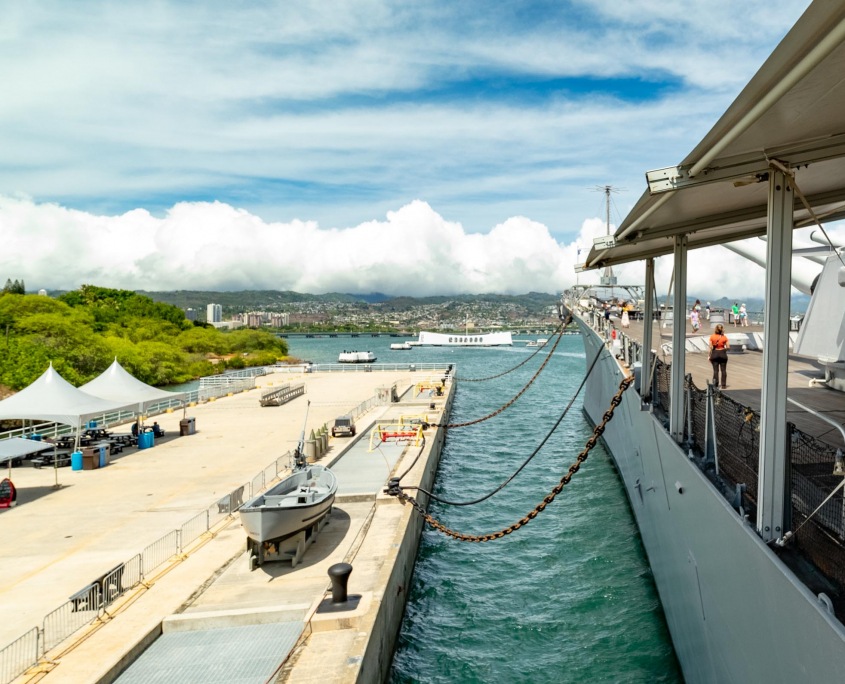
83, 331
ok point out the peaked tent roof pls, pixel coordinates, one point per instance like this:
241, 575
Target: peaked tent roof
117, 384
53, 398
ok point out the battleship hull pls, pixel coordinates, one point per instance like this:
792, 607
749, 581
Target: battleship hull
735, 612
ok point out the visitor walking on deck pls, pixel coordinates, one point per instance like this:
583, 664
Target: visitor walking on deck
719, 345
735, 314
694, 320
743, 315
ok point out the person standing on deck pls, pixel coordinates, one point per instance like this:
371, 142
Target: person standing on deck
707, 311
735, 313
719, 345
743, 315
693, 319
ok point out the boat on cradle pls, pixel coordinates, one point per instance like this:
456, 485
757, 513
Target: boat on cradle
356, 357
296, 503
400, 346
739, 507
494, 339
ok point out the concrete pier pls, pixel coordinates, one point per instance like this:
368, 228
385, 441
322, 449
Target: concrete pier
208, 608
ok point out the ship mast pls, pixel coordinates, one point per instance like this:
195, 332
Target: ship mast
607, 277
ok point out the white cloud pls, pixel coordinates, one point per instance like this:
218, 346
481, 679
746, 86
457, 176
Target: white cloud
413, 251
323, 111
215, 246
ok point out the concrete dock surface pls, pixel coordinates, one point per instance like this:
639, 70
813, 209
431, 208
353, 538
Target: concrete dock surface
57, 541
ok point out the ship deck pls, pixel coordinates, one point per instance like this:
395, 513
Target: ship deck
745, 379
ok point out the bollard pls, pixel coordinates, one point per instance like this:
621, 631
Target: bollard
339, 575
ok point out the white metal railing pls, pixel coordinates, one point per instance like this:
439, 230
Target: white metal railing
89, 603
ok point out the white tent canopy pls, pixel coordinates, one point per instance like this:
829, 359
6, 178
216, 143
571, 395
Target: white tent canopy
18, 446
116, 384
52, 398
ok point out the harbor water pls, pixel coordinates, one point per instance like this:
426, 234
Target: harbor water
567, 598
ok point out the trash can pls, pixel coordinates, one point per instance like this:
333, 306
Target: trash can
76, 460
145, 440
92, 424
102, 457
90, 459
187, 426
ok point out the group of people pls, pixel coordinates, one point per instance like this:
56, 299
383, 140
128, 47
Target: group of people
740, 315
155, 429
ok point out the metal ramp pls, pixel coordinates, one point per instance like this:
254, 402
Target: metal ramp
248, 654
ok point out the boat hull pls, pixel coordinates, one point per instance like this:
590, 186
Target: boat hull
296, 503
735, 612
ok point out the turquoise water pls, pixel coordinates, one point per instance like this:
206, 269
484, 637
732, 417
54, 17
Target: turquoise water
569, 597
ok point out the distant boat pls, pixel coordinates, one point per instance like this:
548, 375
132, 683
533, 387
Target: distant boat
356, 357
537, 343
296, 503
400, 346
433, 339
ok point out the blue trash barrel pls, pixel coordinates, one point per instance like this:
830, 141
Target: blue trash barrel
145, 440
92, 424
76, 460
102, 457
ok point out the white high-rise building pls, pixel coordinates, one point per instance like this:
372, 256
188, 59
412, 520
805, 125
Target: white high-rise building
213, 313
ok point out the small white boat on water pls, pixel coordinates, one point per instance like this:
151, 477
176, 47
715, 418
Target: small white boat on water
541, 342
400, 346
356, 357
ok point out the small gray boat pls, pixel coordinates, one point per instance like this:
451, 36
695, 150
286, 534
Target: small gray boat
296, 503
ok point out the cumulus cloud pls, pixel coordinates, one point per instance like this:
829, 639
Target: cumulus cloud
413, 250
211, 245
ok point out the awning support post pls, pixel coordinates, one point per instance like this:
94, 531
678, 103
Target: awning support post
772, 485
648, 324
679, 338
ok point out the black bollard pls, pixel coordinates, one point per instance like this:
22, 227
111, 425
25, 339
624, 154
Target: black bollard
339, 574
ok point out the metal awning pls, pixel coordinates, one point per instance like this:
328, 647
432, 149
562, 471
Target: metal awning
792, 111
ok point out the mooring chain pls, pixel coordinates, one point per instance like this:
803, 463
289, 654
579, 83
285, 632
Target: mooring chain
512, 401
395, 489
559, 331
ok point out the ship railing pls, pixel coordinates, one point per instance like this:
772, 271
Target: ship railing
88, 605
733, 463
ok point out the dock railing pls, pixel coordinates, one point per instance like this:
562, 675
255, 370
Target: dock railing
88, 605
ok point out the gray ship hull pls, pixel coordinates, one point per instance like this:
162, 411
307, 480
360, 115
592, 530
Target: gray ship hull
735, 612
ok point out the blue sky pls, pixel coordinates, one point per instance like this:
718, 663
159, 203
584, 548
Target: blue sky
137, 125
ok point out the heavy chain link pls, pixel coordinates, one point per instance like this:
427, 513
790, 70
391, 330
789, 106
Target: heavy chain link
395, 489
518, 395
